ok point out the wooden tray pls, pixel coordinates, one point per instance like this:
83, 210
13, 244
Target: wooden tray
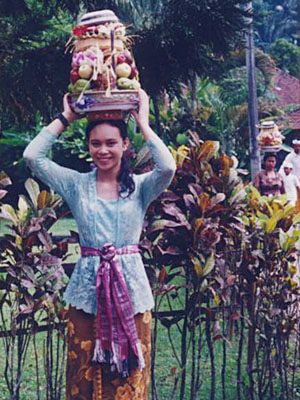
270, 149
98, 101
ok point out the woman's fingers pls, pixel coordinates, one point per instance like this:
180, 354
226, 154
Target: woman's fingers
71, 115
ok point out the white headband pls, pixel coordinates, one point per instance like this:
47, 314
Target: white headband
295, 141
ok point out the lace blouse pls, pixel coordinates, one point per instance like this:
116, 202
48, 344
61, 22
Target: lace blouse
269, 185
101, 221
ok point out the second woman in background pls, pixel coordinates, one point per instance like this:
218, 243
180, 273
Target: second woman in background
268, 181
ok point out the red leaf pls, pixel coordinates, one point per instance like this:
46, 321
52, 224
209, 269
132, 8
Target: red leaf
162, 275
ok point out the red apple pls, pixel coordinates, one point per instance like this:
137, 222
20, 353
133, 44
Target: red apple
128, 56
121, 58
74, 76
134, 72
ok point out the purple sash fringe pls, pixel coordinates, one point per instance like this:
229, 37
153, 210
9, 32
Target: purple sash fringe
116, 332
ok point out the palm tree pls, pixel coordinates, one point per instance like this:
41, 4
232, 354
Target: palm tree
275, 20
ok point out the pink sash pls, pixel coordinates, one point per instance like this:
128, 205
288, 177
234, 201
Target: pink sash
116, 332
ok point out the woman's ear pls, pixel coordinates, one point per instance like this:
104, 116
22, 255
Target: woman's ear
126, 143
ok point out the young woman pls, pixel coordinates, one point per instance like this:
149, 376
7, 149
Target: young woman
109, 296
268, 181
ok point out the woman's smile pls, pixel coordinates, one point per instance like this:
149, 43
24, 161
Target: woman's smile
106, 147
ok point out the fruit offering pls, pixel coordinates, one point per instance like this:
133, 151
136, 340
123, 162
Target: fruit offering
103, 74
269, 138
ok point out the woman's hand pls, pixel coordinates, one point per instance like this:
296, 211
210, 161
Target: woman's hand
57, 126
68, 112
142, 116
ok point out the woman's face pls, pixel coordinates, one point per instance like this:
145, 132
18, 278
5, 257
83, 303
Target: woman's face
106, 147
270, 163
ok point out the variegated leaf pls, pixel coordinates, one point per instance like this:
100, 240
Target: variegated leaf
209, 265
22, 208
33, 190
7, 212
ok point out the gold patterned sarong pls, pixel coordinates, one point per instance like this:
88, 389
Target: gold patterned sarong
86, 380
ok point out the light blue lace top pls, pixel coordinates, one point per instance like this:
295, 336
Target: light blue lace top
101, 221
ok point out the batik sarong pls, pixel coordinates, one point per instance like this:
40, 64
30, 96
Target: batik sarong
87, 380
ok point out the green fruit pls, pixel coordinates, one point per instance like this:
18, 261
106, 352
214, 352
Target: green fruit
135, 84
80, 85
70, 88
128, 84
124, 83
181, 138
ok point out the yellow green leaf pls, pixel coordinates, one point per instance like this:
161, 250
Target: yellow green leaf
197, 267
8, 212
18, 242
217, 299
289, 243
292, 269
33, 190
271, 224
209, 149
173, 152
296, 218
209, 265
182, 153
22, 208
204, 286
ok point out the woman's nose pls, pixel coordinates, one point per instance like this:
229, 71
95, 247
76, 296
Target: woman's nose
102, 149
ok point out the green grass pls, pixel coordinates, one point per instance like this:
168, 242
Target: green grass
29, 381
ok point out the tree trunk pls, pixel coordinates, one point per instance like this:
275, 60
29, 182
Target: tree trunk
194, 102
252, 99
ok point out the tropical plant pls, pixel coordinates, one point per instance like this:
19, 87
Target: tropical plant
273, 20
272, 295
227, 255
189, 234
32, 279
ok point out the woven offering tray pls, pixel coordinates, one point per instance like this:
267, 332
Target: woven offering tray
104, 79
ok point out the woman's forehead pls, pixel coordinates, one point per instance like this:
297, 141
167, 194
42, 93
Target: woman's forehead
104, 132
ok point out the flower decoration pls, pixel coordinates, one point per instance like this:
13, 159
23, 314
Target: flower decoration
78, 31
85, 102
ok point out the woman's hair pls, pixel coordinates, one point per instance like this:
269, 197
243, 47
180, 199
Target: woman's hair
268, 155
125, 179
